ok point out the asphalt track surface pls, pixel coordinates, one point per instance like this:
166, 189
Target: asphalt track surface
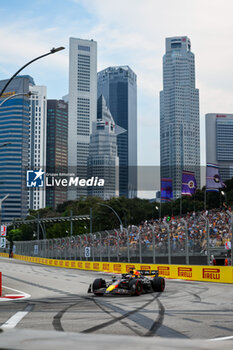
59, 302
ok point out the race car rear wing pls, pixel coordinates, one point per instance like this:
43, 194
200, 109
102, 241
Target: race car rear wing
147, 272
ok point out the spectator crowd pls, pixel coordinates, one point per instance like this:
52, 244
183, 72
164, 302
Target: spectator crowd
154, 235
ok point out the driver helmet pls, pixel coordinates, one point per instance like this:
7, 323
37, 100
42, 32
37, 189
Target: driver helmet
136, 273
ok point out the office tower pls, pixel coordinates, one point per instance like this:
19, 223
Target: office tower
103, 161
37, 140
118, 85
219, 142
82, 107
14, 136
57, 148
179, 114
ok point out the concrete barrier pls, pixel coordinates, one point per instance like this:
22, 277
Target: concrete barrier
220, 274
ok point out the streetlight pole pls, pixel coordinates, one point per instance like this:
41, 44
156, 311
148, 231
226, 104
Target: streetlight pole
118, 217
52, 51
90, 220
14, 95
225, 195
1, 201
38, 224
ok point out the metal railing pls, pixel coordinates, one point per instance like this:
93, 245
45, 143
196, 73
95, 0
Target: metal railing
189, 240
178, 242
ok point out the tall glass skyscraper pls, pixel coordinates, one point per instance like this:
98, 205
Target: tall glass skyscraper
14, 137
179, 114
103, 160
57, 148
37, 141
82, 106
219, 142
118, 85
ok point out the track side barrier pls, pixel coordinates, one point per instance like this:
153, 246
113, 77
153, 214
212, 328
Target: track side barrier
221, 274
4, 255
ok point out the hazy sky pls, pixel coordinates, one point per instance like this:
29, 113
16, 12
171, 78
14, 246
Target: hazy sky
128, 32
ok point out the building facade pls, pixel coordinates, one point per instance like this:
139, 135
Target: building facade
37, 140
82, 106
57, 148
14, 136
118, 85
103, 161
179, 114
219, 142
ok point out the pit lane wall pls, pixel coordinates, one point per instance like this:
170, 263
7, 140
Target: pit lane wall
221, 274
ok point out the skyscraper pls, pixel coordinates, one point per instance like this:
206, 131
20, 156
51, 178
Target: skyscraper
219, 142
103, 160
118, 85
179, 114
57, 148
82, 106
14, 136
37, 140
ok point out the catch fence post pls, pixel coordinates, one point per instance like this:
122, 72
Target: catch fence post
153, 241
117, 246
207, 238
108, 245
128, 253
186, 241
169, 243
231, 216
100, 241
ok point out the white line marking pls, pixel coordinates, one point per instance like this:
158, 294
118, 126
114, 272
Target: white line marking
223, 338
14, 320
25, 295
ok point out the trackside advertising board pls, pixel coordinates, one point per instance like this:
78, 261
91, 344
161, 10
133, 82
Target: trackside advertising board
222, 274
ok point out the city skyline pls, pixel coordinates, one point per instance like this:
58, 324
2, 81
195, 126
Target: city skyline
134, 37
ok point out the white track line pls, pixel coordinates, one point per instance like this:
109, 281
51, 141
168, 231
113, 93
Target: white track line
14, 320
222, 338
25, 295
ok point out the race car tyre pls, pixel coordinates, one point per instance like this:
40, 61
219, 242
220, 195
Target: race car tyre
97, 284
136, 287
158, 284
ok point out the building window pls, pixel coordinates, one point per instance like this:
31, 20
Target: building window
84, 48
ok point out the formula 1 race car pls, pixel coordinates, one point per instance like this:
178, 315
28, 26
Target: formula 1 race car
135, 282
